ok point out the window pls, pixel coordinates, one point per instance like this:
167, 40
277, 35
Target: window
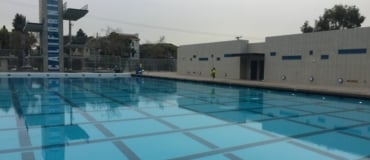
273, 54
203, 59
324, 57
218, 59
295, 57
311, 52
353, 51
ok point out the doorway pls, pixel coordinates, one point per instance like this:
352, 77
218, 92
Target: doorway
254, 70
252, 67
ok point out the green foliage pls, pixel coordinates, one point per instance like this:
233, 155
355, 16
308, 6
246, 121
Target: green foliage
113, 44
4, 38
18, 39
339, 17
119, 45
81, 37
31, 39
159, 50
306, 28
19, 22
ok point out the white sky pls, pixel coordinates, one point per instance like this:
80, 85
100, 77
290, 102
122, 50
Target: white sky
190, 21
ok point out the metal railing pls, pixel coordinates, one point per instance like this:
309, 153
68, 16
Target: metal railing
14, 61
112, 63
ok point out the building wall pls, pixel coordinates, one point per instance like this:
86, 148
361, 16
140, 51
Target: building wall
324, 56
136, 46
257, 47
321, 58
198, 59
3, 65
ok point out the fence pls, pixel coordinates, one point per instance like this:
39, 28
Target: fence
108, 63
11, 61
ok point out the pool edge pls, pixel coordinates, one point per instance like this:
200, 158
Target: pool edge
62, 75
321, 90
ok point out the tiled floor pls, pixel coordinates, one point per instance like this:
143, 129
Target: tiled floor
141, 118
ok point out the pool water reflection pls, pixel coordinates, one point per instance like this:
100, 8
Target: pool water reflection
146, 118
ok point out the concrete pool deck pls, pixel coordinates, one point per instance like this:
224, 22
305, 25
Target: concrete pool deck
316, 89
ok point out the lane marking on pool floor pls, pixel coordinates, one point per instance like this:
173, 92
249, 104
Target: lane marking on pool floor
119, 144
24, 139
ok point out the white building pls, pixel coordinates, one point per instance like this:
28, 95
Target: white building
338, 57
135, 44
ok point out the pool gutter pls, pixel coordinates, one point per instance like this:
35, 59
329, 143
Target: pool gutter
61, 75
341, 91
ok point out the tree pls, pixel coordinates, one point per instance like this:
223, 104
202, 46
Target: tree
306, 28
162, 39
19, 40
120, 45
81, 37
322, 25
113, 44
31, 39
4, 38
19, 22
339, 17
159, 50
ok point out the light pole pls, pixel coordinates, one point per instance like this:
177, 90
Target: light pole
70, 44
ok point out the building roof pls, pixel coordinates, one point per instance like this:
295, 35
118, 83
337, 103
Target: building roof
131, 36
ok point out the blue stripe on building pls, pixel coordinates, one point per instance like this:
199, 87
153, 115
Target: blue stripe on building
353, 51
295, 57
53, 17
234, 54
203, 59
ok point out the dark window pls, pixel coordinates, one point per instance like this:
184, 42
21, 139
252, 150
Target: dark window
218, 59
273, 54
353, 51
203, 59
311, 52
194, 56
292, 57
324, 57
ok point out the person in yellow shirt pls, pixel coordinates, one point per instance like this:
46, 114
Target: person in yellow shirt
213, 72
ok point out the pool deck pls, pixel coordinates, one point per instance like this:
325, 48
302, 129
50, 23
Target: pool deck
317, 89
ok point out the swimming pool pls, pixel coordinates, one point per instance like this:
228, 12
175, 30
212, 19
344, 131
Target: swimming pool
146, 118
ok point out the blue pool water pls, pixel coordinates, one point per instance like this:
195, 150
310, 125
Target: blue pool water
144, 118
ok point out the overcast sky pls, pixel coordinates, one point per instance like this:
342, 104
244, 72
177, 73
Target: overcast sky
190, 21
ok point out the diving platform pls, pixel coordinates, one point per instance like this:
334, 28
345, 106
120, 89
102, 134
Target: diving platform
73, 14
33, 27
